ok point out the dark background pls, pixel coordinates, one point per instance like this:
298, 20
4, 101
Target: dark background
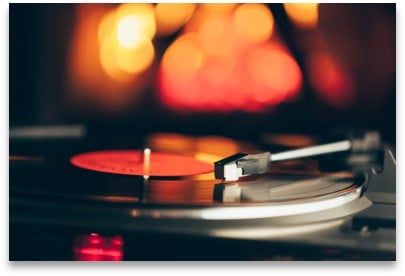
40, 35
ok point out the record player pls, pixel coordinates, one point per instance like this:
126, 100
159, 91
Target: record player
65, 200
116, 169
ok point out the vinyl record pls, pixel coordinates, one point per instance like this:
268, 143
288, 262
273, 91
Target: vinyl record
296, 184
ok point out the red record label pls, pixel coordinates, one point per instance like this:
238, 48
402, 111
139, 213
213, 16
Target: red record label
134, 162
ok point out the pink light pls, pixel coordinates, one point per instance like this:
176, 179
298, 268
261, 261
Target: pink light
95, 239
98, 254
94, 247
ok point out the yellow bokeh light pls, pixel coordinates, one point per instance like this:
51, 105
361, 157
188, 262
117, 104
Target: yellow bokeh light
172, 16
254, 22
125, 35
136, 59
136, 19
129, 31
108, 58
303, 15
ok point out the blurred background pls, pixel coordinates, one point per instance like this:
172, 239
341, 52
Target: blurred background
236, 70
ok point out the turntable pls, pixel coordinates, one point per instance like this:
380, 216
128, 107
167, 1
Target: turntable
237, 131
158, 204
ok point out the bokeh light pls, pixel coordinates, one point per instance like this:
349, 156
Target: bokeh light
225, 60
129, 31
184, 56
303, 15
125, 36
137, 58
217, 8
254, 22
106, 25
108, 59
170, 17
275, 75
111, 54
330, 81
227, 57
137, 19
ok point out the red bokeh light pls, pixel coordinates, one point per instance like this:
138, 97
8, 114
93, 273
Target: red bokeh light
330, 81
94, 247
212, 67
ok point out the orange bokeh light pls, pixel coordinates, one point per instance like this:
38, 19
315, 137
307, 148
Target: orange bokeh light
274, 74
108, 59
106, 25
254, 22
198, 74
303, 15
136, 59
185, 55
218, 8
225, 59
172, 16
98, 78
